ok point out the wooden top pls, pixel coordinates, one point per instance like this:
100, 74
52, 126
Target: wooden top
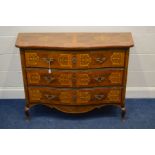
74, 40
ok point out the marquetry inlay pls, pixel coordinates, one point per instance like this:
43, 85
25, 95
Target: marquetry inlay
74, 72
84, 60
31, 58
117, 58
83, 97
65, 60
115, 77
65, 97
114, 95
34, 77
83, 79
35, 94
65, 79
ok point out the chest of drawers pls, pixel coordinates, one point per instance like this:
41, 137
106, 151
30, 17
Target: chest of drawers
74, 72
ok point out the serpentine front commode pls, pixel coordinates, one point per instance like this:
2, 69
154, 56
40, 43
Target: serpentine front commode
74, 72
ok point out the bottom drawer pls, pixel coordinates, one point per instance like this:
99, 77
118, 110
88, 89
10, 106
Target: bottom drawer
75, 96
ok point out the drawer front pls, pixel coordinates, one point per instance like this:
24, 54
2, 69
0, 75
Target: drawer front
75, 97
88, 78
75, 60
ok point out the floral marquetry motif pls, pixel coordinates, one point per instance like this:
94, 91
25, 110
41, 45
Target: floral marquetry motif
115, 77
117, 58
83, 97
31, 58
34, 77
114, 95
65, 79
65, 60
65, 97
83, 79
84, 60
35, 94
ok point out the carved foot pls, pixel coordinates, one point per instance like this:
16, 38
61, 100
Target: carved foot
123, 112
27, 114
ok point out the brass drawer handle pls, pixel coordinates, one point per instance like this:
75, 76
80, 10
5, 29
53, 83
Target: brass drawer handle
99, 79
50, 97
49, 79
99, 97
101, 60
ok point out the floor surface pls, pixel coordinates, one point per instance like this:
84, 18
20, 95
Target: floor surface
140, 114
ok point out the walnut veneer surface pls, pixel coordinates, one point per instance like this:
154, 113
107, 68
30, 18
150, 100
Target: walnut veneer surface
74, 72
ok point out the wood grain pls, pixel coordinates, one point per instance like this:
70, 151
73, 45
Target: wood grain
75, 72
76, 96
74, 40
75, 60
80, 78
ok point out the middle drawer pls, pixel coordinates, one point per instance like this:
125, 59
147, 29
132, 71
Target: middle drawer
75, 78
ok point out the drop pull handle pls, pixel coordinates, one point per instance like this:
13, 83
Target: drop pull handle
99, 97
50, 97
49, 78
100, 59
49, 61
99, 79
49, 67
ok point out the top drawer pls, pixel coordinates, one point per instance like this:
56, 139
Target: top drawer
75, 60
